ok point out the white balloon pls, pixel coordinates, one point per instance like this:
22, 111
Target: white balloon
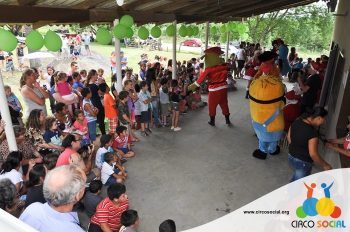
120, 2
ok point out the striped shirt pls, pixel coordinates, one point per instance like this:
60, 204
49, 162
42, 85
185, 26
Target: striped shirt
107, 212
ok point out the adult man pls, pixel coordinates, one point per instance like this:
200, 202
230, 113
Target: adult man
73, 68
63, 187
310, 88
87, 40
20, 54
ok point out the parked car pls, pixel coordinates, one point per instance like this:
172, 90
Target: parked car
192, 43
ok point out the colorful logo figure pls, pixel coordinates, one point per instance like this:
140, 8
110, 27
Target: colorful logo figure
313, 206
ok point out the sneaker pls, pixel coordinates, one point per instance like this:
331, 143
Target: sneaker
148, 130
172, 128
177, 128
144, 133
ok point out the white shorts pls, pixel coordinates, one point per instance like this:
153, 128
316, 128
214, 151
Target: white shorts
71, 97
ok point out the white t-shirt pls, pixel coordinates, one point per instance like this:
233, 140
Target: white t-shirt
143, 97
106, 171
99, 156
240, 54
137, 105
14, 176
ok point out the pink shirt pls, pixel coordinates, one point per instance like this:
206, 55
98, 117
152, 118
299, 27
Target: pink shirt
81, 127
63, 159
63, 88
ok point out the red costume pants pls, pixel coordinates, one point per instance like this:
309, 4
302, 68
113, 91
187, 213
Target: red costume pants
216, 98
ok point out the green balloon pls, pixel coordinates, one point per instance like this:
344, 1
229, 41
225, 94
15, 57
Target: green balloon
129, 32
52, 41
127, 20
156, 32
119, 31
34, 40
143, 33
195, 30
244, 36
8, 42
189, 31
241, 29
170, 30
223, 28
183, 31
213, 30
103, 36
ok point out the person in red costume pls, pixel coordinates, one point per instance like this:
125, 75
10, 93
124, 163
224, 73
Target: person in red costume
216, 72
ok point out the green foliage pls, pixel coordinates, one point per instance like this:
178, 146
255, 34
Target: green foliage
309, 27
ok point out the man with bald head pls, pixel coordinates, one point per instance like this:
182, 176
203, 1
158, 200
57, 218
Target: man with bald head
63, 187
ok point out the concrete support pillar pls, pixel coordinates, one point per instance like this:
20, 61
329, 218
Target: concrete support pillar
207, 25
118, 61
5, 114
227, 46
174, 53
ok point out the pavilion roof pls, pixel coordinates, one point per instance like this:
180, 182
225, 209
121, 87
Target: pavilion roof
85, 12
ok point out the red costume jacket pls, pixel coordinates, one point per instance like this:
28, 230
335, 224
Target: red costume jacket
217, 77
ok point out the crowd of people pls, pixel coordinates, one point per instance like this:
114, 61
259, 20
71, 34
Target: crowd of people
66, 157
85, 140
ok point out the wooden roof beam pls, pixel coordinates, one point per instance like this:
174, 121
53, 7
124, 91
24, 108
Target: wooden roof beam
26, 2
20, 14
88, 4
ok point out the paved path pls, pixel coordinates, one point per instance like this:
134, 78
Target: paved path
201, 173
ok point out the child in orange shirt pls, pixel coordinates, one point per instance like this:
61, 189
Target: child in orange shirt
110, 106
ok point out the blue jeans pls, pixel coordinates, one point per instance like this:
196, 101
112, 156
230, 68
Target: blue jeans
155, 110
300, 168
267, 147
92, 130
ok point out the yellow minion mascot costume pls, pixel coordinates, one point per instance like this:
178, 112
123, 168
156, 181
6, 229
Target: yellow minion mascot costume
266, 95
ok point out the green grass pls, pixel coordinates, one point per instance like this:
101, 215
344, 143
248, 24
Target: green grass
134, 54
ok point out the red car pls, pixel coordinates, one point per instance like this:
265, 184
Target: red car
192, 43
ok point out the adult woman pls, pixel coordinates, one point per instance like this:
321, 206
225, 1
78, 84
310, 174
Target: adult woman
303, 143
282, 57
96, 99
345, 141
293, 56
23, 145
35, 131
63, 117
71, 145
33, 95
9, 201
35, 184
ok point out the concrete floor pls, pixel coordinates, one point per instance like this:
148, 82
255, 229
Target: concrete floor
201, 173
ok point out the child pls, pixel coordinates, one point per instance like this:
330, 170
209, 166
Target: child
105, 146
52, 135
137, 108
81, 126
90, 113
164, 100
108, 212
83, 74
65, 90
175, 99
123, 109
167, 226
110, 174
9, 63
145, 103
130, 221
100, 78
92, 197
13, 102
110, 106
121, 143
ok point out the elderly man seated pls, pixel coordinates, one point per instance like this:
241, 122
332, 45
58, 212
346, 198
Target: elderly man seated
63, 187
